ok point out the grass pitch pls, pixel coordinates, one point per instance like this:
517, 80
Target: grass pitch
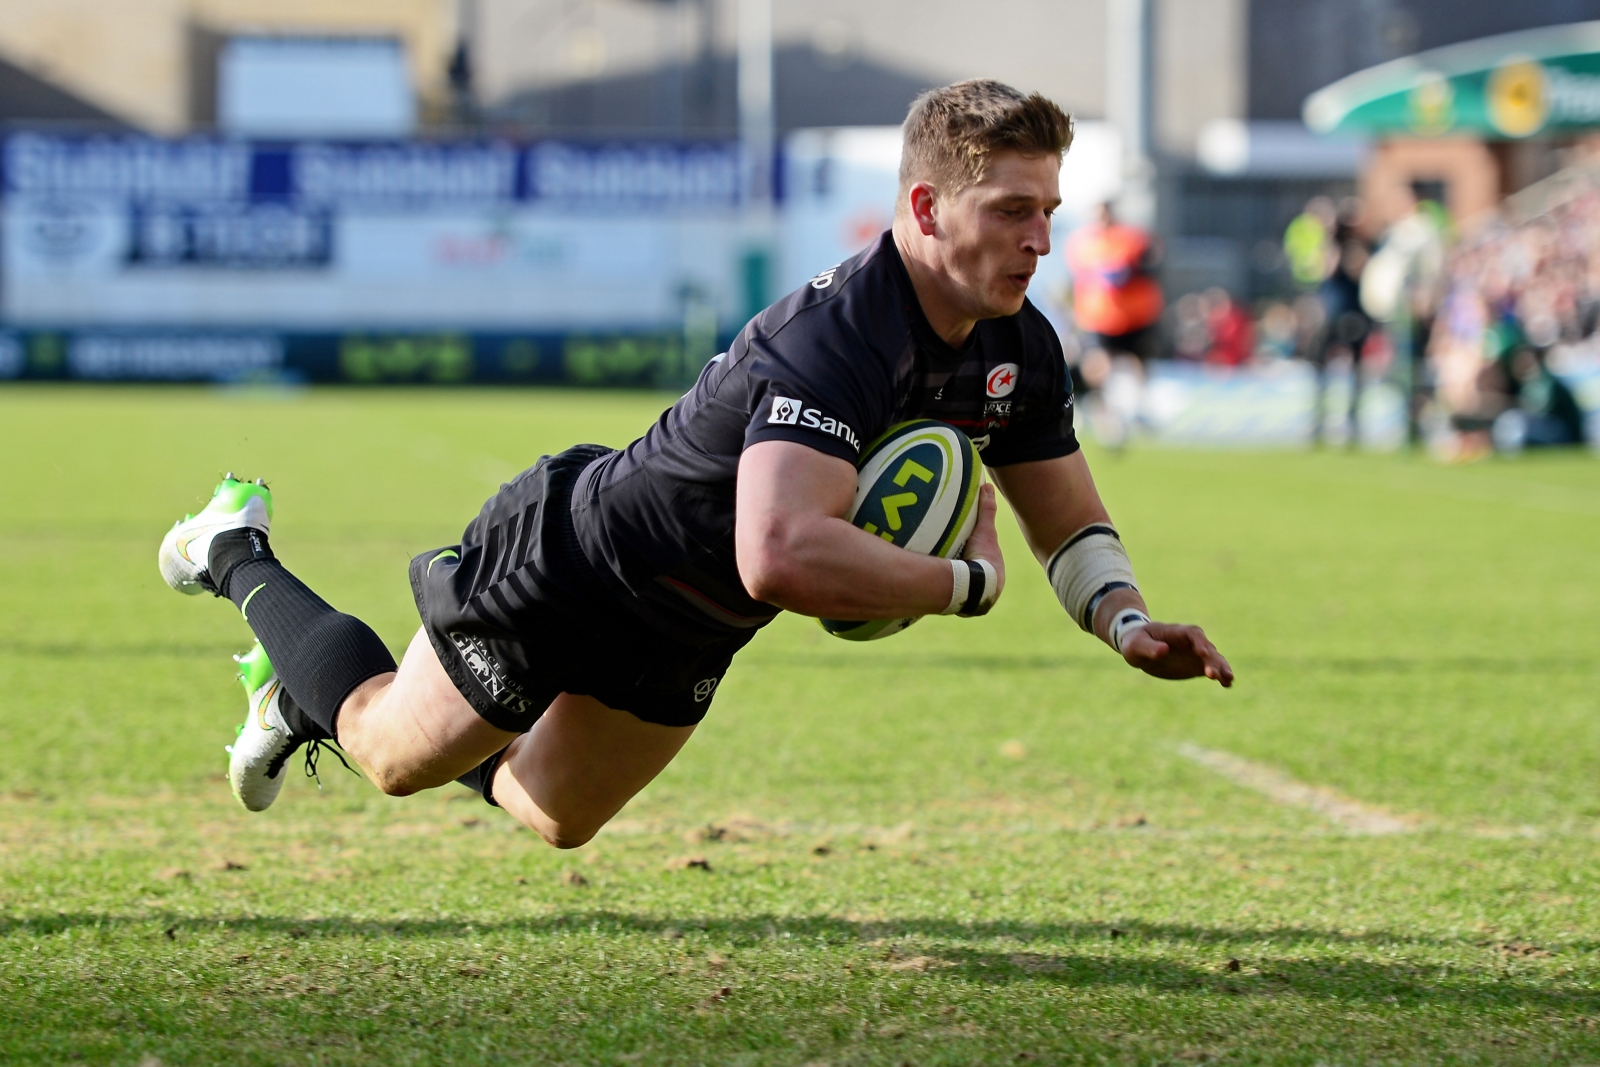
979, 842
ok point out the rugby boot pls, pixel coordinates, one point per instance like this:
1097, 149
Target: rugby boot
258, 756
185, 551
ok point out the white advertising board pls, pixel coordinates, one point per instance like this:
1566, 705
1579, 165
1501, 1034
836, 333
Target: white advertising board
133, 232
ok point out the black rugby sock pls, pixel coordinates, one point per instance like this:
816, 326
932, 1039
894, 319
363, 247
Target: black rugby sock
481, 778
320, 654
294, 716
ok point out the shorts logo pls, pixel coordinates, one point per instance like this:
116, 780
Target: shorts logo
1002, 380
704, 688
785, 411
981, 443
490, 673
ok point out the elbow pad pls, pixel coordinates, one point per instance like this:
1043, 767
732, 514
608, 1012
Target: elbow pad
1087, 566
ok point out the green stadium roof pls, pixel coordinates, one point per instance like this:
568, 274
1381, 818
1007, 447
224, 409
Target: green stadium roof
1511, 86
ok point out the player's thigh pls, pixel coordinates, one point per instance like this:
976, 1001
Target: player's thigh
579, 765
420, 732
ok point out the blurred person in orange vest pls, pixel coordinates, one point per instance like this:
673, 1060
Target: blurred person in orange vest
1117, 302
1115, 296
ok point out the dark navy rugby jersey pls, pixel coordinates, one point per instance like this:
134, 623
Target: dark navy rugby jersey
830, 366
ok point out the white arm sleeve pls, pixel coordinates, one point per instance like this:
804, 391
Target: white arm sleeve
1086, 567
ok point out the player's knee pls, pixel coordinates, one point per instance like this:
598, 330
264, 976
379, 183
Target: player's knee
559, 835
395, 781
396, 787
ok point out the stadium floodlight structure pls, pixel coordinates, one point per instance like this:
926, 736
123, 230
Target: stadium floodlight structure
757, 125
757, 147
461, 69
1128, 104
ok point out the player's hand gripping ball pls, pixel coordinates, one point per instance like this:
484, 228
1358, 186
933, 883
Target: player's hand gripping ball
917, 488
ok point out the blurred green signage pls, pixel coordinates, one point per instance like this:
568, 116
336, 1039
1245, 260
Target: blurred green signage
1511, 86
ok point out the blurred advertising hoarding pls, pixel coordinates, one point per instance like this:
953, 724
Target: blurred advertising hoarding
143, 254
397, 260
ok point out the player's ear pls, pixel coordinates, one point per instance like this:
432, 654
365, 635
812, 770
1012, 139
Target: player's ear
923, 196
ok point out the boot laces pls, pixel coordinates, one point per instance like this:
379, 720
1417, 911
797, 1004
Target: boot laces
314, 750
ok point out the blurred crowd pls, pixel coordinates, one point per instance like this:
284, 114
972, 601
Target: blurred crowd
1518, 305
1478, 332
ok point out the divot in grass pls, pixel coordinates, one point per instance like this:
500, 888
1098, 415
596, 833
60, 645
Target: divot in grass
1332, 805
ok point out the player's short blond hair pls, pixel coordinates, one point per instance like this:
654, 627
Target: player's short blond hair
950, 134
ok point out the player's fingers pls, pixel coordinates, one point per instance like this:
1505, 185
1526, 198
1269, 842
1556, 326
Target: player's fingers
986, 504
984, 541
983, 533
1218, 668
1216, 664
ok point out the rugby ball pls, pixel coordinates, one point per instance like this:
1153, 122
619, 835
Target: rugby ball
917, 488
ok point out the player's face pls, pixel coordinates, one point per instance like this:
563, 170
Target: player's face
997, 229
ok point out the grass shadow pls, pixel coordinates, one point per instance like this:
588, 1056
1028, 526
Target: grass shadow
1279, 961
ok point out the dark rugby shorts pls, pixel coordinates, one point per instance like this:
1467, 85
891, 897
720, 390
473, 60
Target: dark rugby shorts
518, 615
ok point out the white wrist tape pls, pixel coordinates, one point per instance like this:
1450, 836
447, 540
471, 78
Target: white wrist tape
1127, 621
1087, 566
958, 592
974, 587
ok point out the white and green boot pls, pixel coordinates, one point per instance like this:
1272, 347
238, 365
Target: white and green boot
186, 549
258, 756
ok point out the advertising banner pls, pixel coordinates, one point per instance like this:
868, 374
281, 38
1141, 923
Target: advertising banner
1514, 85
142, 257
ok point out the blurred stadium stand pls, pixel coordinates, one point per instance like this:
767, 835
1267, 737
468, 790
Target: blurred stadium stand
694, 99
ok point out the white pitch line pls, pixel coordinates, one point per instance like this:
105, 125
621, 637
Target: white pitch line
1329, 803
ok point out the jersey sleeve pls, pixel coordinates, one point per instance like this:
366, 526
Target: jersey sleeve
816, 388
1042, 428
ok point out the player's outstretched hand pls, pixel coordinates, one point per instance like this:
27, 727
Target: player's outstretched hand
1171, 650
984, 541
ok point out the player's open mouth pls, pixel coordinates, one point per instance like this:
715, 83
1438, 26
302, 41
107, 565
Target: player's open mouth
1020, 279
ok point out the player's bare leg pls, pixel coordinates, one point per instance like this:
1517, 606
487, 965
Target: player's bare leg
565, 778
579, 765
412, 729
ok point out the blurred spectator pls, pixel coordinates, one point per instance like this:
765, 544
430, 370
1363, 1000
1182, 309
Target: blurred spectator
1308, 242
1516, 402
1345, 326
1117, 302
1545, 411
1402, 285
1214, 328
1231, 330
1279, 331
1191, 337
1115, 296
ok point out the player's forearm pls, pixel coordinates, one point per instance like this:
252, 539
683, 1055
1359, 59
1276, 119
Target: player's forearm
823, 566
